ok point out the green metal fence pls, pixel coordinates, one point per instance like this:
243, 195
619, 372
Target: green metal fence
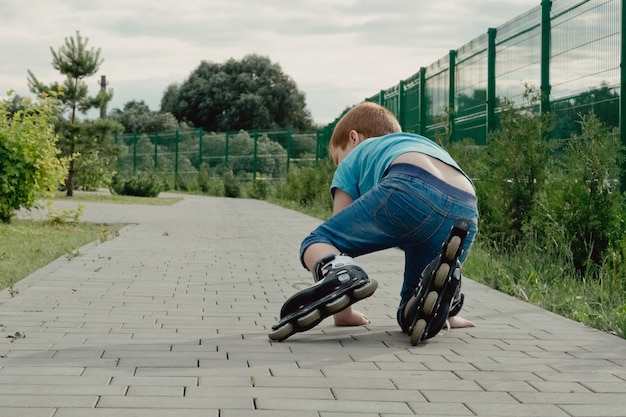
181, 154
570, 50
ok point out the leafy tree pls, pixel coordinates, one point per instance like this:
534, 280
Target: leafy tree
250, 94
76, 62
14, 103
98, 156
136, 117
170, 97
29, 167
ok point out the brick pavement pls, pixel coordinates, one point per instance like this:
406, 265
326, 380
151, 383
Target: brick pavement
171, 318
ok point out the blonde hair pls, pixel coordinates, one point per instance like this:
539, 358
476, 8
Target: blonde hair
369, 119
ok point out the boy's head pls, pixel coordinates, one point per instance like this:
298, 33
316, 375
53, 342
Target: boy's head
368, 119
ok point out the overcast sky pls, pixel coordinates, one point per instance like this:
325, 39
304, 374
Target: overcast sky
337, 51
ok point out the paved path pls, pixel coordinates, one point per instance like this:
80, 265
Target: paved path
171, 318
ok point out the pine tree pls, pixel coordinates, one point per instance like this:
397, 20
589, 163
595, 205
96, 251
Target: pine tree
76, 62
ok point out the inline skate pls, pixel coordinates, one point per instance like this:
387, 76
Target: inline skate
438, 296
339, 283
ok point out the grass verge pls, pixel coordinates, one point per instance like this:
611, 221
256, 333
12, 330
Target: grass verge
89, 197
546, 282
28, 245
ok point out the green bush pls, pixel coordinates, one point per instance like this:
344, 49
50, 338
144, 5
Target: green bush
232, 187
518, 155
203, 177
29, 167
584, 202
309, 185
140, 185
260, 190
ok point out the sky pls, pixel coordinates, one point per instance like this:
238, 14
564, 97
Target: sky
338, 52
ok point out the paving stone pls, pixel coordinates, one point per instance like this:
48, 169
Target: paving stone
170, 318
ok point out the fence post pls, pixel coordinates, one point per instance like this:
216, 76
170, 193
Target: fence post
134, 154
319, 136
622, 102
546, 28
422, 102
200, 135
176, 163
156, 150
401, 105
289, 146
491, 82
254, 159
451, 96
226, 151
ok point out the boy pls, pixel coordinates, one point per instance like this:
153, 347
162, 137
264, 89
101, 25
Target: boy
390, 189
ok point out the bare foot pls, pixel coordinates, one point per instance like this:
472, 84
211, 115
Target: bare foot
458, 322
350, 317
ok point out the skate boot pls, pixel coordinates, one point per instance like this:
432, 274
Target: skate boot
438, 295
339, 283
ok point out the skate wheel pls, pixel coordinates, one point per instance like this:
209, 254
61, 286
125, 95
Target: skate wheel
429, 303
366, 290
441, 276
310, 320
418, 332
282, 332
453, 247
338, 305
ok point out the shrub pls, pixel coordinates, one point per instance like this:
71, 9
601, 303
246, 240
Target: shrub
309, 185
232, 187
260, 190
141, 185
29, 167
203, 177
516, 171
584, 199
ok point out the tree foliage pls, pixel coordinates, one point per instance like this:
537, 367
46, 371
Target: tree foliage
250, 94
29, 166
76, 62
136, 117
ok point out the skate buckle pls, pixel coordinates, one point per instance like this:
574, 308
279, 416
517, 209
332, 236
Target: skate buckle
343, 276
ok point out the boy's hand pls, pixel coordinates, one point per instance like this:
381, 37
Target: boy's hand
350, 317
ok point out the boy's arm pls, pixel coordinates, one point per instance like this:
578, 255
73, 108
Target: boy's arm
347, 317
341, 200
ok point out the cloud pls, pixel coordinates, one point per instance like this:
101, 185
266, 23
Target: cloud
337, 52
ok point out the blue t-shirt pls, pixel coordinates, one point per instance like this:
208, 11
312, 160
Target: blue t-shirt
366, 164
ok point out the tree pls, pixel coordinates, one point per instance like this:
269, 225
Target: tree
136, 117
76, 62
29, 167
250, 94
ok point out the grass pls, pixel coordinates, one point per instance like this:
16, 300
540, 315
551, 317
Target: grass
28, 245
547, 282
89, 197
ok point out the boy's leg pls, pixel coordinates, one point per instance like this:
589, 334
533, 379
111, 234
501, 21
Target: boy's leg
437, 295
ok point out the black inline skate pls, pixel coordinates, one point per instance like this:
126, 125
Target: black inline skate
339, 283
438, 295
